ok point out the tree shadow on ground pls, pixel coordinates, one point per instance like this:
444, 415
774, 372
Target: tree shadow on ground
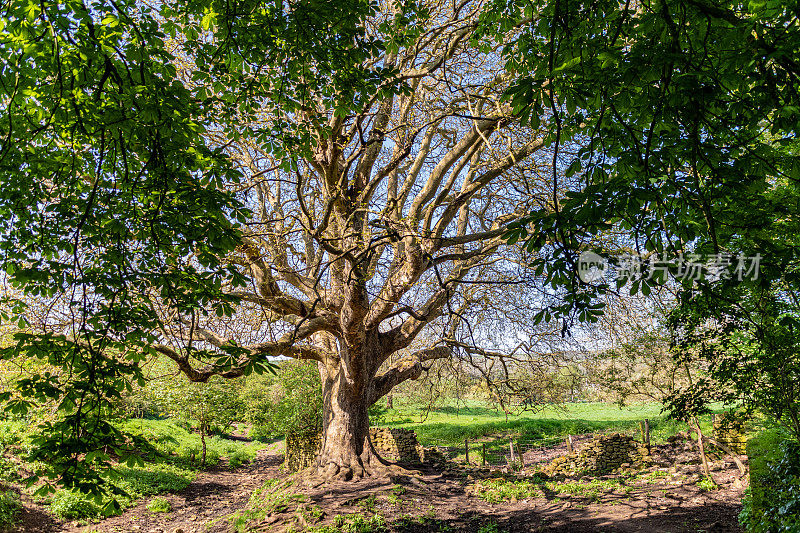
439, 503
555, 518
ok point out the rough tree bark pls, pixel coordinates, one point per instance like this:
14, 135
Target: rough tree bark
346, 451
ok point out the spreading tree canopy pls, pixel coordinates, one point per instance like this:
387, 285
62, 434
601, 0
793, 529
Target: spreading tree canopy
370, 247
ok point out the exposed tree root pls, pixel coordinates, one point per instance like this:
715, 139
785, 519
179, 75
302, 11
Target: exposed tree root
367, 466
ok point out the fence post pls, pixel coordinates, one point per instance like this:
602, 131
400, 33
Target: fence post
570, 449
521, 453
511, 447
647, 433
466, 449
484, 454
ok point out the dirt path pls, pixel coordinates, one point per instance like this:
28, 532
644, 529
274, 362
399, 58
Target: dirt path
214, 495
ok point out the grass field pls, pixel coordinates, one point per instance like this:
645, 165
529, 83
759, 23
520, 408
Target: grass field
451, 425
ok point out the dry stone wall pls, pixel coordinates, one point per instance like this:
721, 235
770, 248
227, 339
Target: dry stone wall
394, 444
602, 455
397, 444
729, 430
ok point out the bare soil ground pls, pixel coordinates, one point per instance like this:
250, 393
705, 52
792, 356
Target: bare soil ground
664, 499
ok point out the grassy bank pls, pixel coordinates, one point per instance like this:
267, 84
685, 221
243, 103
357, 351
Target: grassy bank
171, 459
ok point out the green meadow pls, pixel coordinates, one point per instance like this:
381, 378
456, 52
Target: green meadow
474, 421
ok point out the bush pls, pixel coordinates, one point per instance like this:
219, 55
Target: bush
238, 458
501, 490
159, 505
290, 402
12, 432
772, 502
212, 456
9, 507
8, 470
260, 432
190, 453
153, 479
69, 505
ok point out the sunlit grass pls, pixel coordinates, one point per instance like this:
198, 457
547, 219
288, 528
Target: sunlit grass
451, 425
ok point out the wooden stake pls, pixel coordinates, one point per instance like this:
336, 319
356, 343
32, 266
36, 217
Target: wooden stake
702, 449
511, 447
484, 454
466, 449
570, 448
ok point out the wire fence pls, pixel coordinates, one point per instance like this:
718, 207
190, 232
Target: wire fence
516, 452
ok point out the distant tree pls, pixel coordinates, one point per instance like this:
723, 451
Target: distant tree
289, 402
570, 379
210, 407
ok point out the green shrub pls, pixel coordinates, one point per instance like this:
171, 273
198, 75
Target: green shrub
134, 483
355, 523
69, 505
12, 432
238, 458
159, 505
8, 470
500, 490
491, 527
153, 479
289, 402
772, 502
212, 457
9, 507
190, 453
707, 484
260, 432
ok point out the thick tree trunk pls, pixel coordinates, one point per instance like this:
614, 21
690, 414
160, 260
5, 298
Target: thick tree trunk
346, 452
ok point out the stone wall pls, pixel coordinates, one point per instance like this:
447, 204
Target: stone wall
394, 444
729, 430
602, 455
397, 444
